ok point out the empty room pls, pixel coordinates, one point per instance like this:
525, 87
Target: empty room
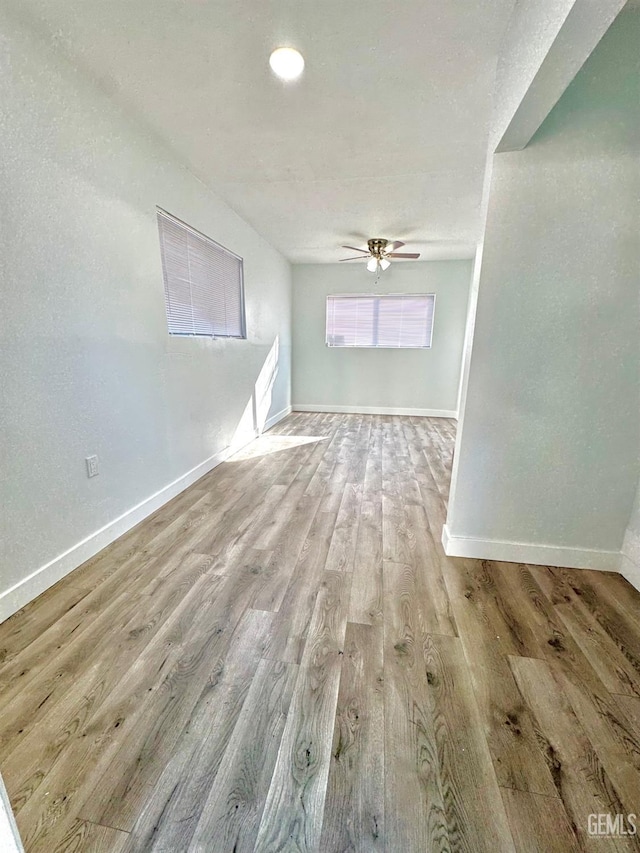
319, 426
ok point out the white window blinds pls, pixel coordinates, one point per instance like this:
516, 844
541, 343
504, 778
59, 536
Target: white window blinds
203, 284
394, 320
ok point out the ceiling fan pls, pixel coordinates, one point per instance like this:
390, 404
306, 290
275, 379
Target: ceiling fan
378, 254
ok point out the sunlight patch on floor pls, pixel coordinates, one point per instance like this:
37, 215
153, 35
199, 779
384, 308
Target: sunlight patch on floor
267, 444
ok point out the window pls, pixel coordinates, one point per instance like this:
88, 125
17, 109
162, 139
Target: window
203, 283
394, 320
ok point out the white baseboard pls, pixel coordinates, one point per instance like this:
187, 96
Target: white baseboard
21, 593
374, 410
631, 571
9, 836
529, 552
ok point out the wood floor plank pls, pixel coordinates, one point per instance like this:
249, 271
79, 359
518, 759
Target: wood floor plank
360, 453
415, 817
583, 785
30, 622
628, 728
441, 475
232, 525
426, 559
613, 667
285, 555
342, 552
230, 817
372, 485
187, 690
293, 812
611, 735
309, 468
485, 610
85, 837
555, 642
617, 592
323, 473
621, 625
396, 532
431, 499
170, 813
539, 824
631, 706
508, 724
486, 630
291, 624
354, 807
473, 807
396, 536
366, 587
334, 488
276, 519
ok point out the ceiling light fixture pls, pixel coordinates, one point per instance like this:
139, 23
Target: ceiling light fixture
287, 63
379, 253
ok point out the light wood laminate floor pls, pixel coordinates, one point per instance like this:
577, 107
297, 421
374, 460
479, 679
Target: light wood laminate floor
282, 658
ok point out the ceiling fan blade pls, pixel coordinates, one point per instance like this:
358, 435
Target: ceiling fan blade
395, 245
357, 258
364, 251
403, 254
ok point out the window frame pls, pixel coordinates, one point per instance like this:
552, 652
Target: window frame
376, 296
161, 212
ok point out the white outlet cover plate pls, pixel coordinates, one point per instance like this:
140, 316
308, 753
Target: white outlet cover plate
92, 466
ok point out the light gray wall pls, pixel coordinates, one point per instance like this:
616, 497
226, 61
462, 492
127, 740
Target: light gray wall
533, 26
545, 45
371, 378
86, 364
548, 445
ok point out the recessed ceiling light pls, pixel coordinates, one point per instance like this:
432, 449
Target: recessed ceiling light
287, 63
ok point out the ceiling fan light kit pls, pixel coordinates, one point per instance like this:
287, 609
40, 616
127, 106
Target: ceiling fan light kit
378, 253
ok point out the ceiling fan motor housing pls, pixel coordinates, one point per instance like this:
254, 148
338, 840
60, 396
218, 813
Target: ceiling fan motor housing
377, 246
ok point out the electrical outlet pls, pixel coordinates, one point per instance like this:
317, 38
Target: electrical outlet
92, 466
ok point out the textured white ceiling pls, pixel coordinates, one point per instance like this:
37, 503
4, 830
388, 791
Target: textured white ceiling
384, 135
